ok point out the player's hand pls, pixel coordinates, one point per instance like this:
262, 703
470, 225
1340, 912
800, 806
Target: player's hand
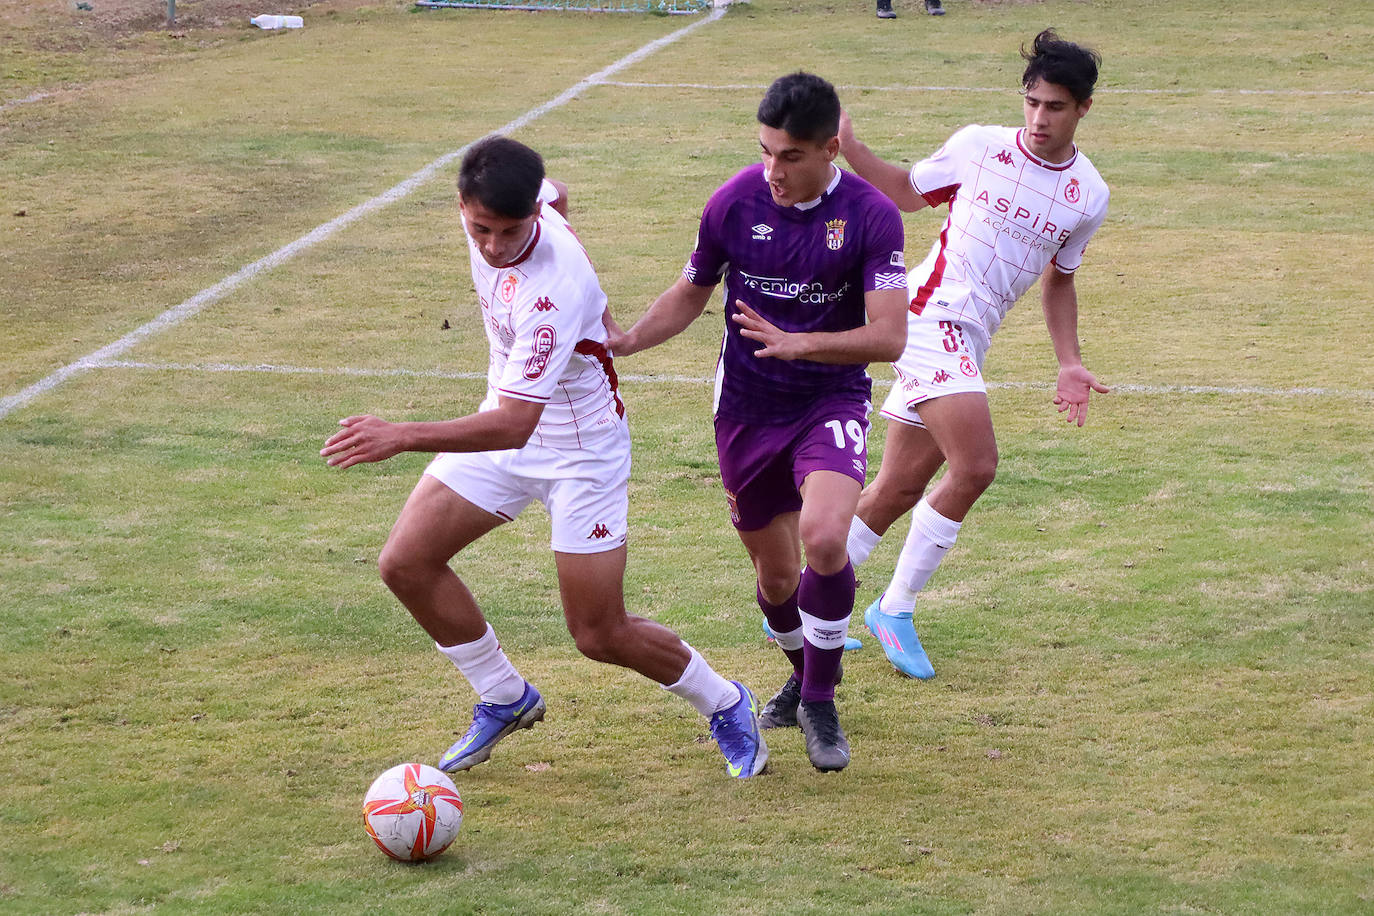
617, 341
362, 439
777, 343
1076, 384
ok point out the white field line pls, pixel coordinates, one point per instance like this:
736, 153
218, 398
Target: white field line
276, 369
15, 103
211, 294
759, 87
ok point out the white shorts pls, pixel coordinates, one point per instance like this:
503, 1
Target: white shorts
942, 356
585, 488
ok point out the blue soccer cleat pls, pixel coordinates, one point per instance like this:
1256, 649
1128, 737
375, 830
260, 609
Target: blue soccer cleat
850, 643
490, 723
736, 730
898, 635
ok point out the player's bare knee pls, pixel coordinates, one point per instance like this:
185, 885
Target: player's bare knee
403, 572
977, 473
826, 546
778, 585
396, 569
596, 642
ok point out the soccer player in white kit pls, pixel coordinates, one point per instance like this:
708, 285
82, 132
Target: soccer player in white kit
551, 428
1023, 203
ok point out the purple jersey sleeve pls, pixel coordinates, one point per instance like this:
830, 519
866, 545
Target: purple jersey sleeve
884, 266
708, 260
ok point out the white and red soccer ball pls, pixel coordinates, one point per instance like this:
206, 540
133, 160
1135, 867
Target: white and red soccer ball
412, 812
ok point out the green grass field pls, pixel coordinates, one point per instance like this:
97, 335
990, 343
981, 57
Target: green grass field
1156, 680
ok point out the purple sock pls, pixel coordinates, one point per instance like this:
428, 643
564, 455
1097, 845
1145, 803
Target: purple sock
784, 618
828, 598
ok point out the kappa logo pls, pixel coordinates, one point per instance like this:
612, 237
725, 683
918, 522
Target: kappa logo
600, 531
762, 232
545, 304
1072, 192
941, 377
1005, 158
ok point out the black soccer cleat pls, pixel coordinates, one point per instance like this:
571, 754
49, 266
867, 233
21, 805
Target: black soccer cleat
826, 746
885, 10
934, 8
781, 711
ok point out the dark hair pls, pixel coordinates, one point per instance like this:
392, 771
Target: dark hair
502, 175
1061, 62
802, 104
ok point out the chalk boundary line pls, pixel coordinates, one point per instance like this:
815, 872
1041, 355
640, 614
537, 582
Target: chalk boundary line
723, 87
759, 87
211, 294
346, 371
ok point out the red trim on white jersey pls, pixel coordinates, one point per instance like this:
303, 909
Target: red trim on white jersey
1052, 166
939, 195
937, 274
524, 256
603, 356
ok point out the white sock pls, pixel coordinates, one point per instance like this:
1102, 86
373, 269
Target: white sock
701, 686
930, 538
487, 669
862, 540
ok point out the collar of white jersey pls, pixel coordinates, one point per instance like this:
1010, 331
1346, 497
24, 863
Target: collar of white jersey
527, 250
1053, 166
829, 189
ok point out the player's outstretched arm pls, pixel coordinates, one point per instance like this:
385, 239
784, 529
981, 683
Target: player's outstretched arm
671, 313
1075, 385
892, 180
367, 438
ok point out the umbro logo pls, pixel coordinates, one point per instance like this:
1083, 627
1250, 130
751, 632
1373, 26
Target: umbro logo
600, 531
1005, 158
941, 377
762, 232
545, 304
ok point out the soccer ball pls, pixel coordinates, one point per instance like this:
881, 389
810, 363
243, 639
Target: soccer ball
412, 812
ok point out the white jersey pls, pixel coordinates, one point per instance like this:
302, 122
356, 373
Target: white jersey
542, 314
1010, 215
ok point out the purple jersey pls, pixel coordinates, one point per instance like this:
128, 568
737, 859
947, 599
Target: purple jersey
803, 268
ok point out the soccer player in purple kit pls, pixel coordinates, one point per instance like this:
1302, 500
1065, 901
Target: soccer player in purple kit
815, 289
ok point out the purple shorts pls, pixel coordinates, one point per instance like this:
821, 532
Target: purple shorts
763, 467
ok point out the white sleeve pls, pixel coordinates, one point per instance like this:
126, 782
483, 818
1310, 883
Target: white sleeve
548, 324
938, 176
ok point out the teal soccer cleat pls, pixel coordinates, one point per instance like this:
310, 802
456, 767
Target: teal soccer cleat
898, 635
490, 723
